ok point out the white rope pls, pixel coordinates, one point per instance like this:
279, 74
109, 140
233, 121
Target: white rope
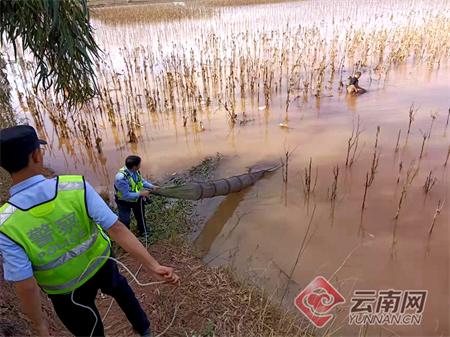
126, 268
134, 276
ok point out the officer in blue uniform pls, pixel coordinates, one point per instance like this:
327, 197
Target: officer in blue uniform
131, 192
22, 156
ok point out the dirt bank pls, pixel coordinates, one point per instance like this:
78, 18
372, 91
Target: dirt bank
208, 302
13, 323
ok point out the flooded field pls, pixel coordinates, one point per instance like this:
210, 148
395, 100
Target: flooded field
364, 198
260, 231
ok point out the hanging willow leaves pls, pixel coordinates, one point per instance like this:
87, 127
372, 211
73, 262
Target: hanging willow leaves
59, 36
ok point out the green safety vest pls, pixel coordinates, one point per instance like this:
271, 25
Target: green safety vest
65, 246
135, 186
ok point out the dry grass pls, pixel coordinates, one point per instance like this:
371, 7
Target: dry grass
149, 13
241, 2
167, 11
5, 183
208, 302
13, 322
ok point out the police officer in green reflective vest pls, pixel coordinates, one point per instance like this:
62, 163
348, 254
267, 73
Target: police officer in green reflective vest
55, 236
131, 190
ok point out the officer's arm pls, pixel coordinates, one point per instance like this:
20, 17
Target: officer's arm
122, 235
103, 215
30, 297
149, 185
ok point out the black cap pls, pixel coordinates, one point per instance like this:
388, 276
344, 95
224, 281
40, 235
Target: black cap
21, 139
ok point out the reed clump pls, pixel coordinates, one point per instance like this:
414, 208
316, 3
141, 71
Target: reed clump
309, 183
160, 12
430, 181
332, 195
352, 143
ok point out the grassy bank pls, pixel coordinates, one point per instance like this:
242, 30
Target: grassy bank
170, 218
208, 301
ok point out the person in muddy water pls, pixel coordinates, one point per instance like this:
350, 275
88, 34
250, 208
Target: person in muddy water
131, 193
55, 235
353, 87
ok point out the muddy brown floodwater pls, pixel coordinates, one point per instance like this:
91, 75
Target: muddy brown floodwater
259, 231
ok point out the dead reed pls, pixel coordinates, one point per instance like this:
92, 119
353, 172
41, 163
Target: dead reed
400, 168
411, 114
334, 186
424, 139
411, 174
285, 163
398, 141
430, 181
433, 117
352, 143
448, 155
302, 248
309, 185
373, 169
446, 123
366, 187
435, 216
375, 158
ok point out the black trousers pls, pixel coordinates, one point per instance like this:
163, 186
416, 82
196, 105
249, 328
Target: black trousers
80, 321
125, 208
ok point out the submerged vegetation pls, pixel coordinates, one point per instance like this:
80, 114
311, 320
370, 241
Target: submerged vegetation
222, 71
